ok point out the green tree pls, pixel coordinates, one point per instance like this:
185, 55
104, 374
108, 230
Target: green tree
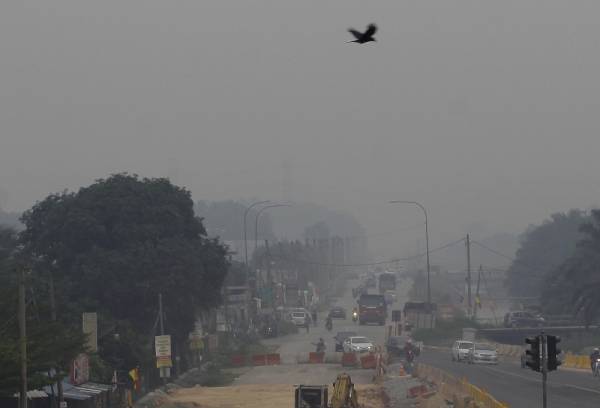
575, 285
543, 249
50, 345
115, 245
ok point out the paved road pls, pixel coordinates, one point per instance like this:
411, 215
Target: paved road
301, 344
508, 382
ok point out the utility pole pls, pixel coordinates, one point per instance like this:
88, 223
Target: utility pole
469, 303
22, 339
59, 387
477, 298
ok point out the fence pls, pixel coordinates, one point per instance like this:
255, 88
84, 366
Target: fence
448, 385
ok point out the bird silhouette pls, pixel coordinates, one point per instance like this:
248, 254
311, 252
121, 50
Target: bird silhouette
365, 37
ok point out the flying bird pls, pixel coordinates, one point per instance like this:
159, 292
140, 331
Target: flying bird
365, 37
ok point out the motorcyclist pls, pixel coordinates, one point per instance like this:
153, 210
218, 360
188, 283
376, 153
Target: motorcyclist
355, 314
410, 351
593, 357
320, 345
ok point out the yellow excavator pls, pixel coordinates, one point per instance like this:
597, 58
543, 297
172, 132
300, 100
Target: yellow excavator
315, 396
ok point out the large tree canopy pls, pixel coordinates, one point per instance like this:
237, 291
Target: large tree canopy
114, 246
575, 285
543, 249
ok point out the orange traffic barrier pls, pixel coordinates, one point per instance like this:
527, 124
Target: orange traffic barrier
273, 359
238, 360
316, 358
259, 359
349, 359
368, 361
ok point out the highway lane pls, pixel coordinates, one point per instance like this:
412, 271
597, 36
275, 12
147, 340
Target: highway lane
518, 387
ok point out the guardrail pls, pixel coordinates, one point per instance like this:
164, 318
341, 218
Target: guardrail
449, 385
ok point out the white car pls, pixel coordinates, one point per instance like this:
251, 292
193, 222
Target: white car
483, 353
300, 319
461, 350
358, 344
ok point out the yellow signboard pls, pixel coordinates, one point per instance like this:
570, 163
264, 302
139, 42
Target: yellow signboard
164, 362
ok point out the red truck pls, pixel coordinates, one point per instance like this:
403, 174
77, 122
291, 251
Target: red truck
371, 309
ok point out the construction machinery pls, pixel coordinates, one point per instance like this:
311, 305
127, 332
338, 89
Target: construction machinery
316, 396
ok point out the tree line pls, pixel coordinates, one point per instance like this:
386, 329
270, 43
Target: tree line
108, 248
559, 263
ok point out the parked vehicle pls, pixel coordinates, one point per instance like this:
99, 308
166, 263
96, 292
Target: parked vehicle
483, 353
340, 337
371, 309
337, 312
523, 319
461, 350
358, 345
300, 319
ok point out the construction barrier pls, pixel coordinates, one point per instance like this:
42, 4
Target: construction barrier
259, 360
238, 360
368, 361
273, 359
576, 361
349, 360
316, 358
266, 359
448, 385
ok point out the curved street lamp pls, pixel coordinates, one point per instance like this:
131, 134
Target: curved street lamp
245, 230
258, 216
426, 242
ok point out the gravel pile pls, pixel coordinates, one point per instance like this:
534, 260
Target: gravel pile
396, 387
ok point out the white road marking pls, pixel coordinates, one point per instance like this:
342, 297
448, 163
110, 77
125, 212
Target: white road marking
577, 387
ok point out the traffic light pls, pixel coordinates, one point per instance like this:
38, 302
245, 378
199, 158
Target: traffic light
553, 352
533, 354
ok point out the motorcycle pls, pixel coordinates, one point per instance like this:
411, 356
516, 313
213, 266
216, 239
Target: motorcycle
354, 316
596, 369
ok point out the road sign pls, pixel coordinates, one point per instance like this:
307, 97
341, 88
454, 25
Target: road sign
162, 346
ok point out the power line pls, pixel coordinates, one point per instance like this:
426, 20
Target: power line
514, 260
391, 261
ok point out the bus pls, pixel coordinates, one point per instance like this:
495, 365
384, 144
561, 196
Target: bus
387, 281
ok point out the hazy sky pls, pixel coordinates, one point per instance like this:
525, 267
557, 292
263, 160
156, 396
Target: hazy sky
485, 111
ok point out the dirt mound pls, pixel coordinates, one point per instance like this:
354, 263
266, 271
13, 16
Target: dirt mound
255, 396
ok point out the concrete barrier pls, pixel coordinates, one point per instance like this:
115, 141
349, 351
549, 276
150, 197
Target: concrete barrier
457, 389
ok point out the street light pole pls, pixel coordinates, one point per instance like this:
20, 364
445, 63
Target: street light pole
245, 230
426, 243
258, 216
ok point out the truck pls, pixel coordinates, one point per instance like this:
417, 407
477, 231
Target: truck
387, 281
371, 309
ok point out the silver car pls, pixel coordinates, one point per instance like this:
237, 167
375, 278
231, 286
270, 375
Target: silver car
483, 353
461, 350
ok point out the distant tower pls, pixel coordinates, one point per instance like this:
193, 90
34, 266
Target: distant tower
287, 181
